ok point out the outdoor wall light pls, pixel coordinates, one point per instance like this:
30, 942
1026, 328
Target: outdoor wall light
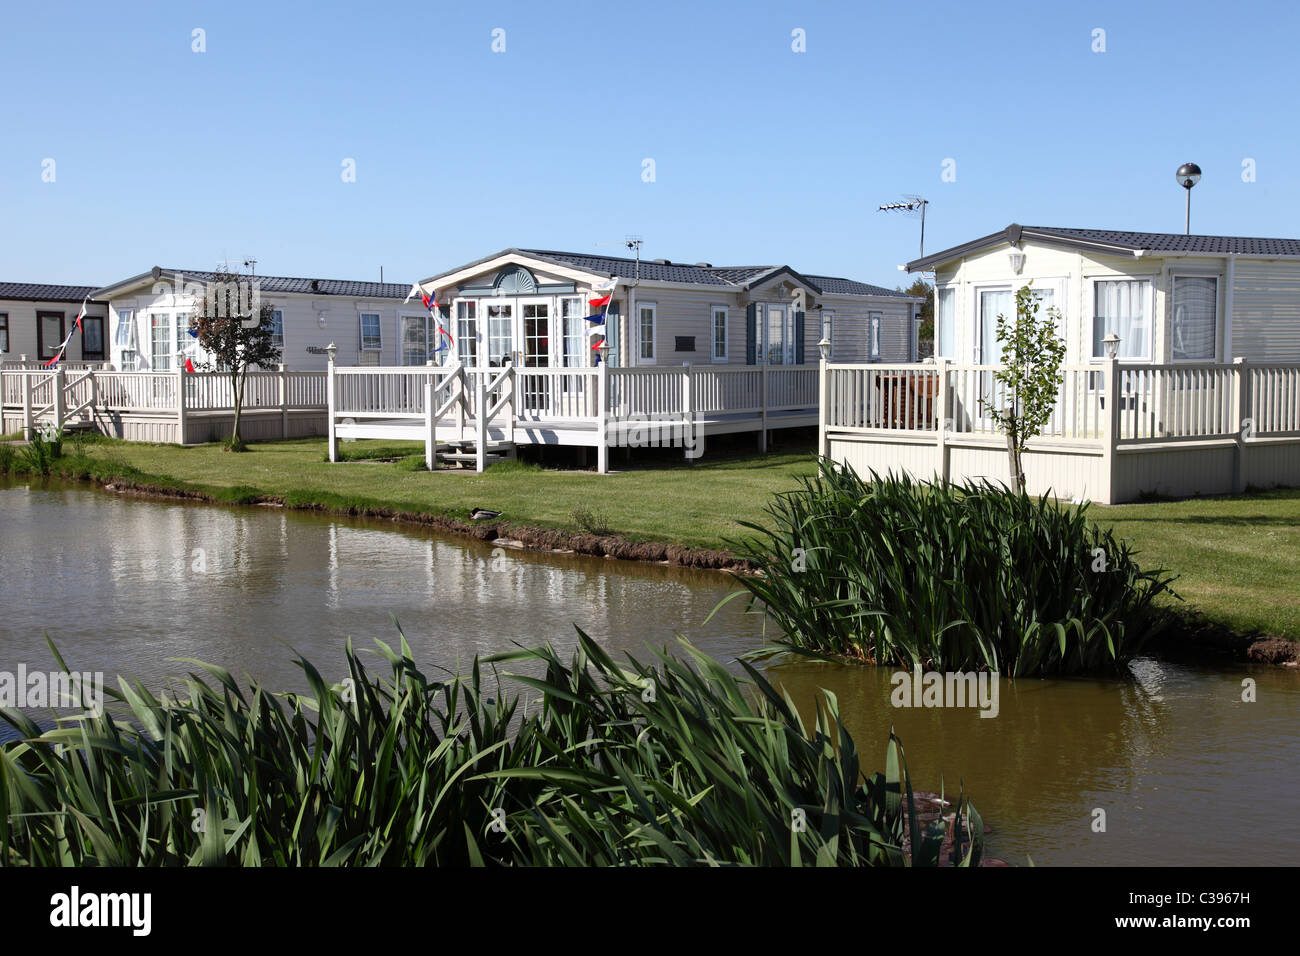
1111, 342
1017, 259
824, 347
320, 320
332, 351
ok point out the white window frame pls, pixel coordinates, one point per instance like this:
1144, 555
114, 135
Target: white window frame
580, 339
161, 361
277, 322
1218, 315
875, 330
361, 331
1150, 281
484, 311
828, 331
422, 318
472, 342
714, 312
943, 349
653, 308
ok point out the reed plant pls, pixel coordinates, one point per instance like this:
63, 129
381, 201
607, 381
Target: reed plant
672, 762
955, 577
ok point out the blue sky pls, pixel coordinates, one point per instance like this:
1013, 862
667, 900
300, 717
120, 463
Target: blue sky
762, 155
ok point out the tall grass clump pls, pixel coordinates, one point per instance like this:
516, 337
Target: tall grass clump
888, 570
675, 762
45, 448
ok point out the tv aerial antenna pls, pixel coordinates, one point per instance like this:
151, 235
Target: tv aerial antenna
910, 205
633, 243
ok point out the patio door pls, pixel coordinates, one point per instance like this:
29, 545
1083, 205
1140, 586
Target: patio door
988, 351
500, 314
536, 319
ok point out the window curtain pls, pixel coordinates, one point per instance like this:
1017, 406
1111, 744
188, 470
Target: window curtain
1121, 307
1194, 328
946, 327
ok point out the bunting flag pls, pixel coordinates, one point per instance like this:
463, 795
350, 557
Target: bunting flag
189, 366
596, 322
415, 290
194, 333
76, 327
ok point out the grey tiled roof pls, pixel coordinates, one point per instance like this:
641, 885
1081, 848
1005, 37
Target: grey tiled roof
345, 287
273, 284
1177, 242
1122, 242
699, 275
627, 268
42, 292
853, 287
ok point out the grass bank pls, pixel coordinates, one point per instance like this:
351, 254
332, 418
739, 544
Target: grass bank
1234, 555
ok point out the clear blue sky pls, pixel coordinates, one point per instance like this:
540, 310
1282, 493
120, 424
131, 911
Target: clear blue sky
165, 156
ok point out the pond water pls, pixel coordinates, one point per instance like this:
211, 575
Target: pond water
1185, 771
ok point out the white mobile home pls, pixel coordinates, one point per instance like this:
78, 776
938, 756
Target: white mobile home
1182, 367
151, 312
530, 306
35, 319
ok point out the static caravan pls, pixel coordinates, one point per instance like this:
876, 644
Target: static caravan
35, 319
530, 306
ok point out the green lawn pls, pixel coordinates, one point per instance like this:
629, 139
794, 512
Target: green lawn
1236, 556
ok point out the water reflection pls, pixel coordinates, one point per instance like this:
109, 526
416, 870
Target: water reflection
1186, 772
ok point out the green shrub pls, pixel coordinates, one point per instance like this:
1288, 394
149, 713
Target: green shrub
592, 522
677, 762
45, 448
893, 571
8, 458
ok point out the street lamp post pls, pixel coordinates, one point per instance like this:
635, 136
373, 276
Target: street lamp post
1188, 175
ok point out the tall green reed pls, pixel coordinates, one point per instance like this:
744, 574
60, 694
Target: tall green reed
673, 762
957, 577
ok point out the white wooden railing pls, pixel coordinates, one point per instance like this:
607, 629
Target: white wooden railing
67, 393
1149, 403
598, 400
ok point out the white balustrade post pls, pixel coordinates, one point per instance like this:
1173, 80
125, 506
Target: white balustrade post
511, 381
762, 402
688, 409
430, 427
942, 417
180, 398
58, 396
330, 399
823, 408
1111, 438
602, 416
284, 401
28, 427
1240, 409
480, 419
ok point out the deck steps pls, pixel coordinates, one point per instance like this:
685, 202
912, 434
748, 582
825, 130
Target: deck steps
464, 453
